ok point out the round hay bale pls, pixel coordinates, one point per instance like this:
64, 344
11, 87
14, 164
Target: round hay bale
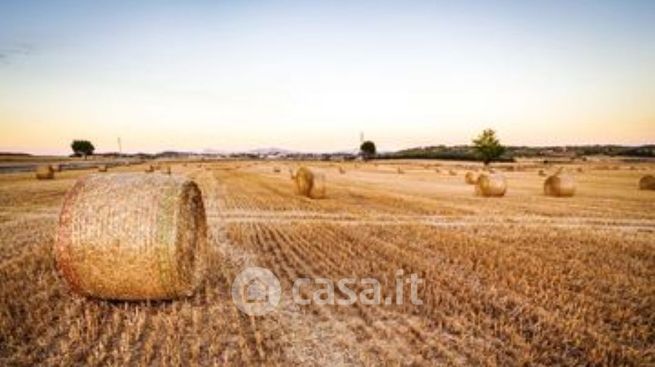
45, 172
150, 168
276, 169
304, 179
471, 178
437, 170
647, 183
491, 185
580, 170
542, 173
102, 168
559, 185
319, 189
130, 236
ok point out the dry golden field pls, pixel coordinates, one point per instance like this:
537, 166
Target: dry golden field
520, 280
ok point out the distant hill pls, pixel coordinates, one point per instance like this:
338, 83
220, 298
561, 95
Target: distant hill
466, 152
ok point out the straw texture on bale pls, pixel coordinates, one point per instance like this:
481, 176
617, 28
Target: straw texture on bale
491, 185
319, 190
130, 236
45, 172
471, 178
102, 168
647, 183
560, 185
304, 180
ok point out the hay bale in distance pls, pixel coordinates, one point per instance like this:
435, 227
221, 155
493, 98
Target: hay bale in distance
647, 183
542, 173
102, 168
276, 169
45, 172
491, 185
452, 172
341, 170
130, 236
304, 180
150, 168
471, 178
560, 185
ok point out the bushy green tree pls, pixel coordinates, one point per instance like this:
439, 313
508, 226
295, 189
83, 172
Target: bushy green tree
488, 147
367, 149
82, 148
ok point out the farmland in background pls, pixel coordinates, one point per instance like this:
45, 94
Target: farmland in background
514, 280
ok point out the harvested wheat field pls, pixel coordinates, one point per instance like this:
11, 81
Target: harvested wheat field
515, 280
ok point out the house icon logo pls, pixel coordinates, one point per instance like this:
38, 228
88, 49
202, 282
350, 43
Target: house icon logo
256, 291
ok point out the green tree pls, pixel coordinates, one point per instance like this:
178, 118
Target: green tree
367, 149
488, 147
82, 148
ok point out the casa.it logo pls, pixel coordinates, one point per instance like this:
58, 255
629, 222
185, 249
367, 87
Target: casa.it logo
256, 291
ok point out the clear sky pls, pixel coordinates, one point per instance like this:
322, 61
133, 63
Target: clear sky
311, 75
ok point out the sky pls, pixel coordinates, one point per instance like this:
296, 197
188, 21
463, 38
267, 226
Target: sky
310, 76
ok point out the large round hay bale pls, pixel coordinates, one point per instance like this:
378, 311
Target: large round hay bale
560, 185
319, 190
304, 179
491, 185
471, 178
647, 183
45, 172
130, 236
102, 168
